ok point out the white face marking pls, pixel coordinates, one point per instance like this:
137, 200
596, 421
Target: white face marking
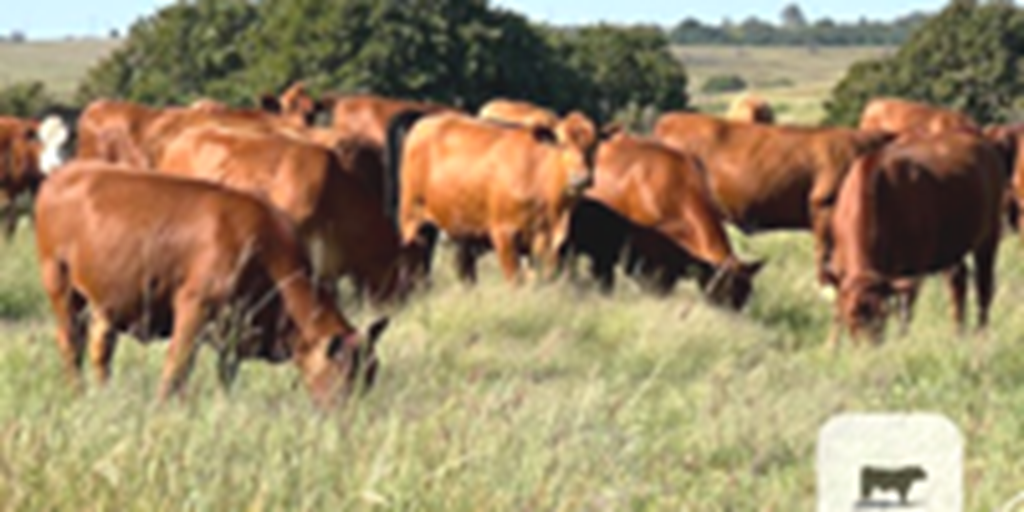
53, 133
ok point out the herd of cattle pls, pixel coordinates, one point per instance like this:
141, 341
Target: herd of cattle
170, 218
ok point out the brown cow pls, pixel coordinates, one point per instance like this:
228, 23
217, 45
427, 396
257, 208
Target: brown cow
341, 221
295, 105
771, 177
518, 112
157, 255
484, 183
136, 135
916, 207
750, 109
662, 193
905, 116
367, 116
28, 150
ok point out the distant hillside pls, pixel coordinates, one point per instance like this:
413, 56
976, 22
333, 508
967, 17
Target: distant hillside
58, 64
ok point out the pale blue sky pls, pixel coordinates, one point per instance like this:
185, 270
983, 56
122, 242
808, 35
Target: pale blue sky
56, 18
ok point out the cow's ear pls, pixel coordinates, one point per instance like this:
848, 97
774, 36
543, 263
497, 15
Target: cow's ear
544, 134
270, 103
610, 130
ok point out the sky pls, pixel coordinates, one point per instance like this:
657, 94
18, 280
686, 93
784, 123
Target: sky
49, 19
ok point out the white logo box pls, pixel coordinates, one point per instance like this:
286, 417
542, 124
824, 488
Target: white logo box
866, 461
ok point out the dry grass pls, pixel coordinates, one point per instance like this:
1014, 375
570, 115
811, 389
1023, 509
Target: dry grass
58, 64
796, 80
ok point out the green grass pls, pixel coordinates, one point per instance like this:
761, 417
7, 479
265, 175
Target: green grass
493, 398
58, 64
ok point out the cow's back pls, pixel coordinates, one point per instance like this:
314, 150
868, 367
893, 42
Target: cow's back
905, 116
518, 112
764, 176
920, 205
115, 228
459, 166
368, 116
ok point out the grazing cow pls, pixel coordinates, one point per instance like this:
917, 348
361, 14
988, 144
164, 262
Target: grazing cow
485, 183
367, 116
905, 116
771, 177
518, 112
749, 108
661, 194
899, 480
28, 150
340, 220
157, 255
916, 207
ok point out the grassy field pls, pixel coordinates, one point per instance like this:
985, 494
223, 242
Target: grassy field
492, 398
538, 398
796, 80
58, 64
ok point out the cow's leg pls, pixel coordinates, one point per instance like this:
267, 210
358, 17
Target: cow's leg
546, 245
821, 214
545, 254
102, 343
465, 261
69, 312
984, 275
188, 318
957, 279
228, 363
504, 242
907, 297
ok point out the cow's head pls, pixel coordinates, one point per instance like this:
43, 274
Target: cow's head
731, 284
862, 305
28, 151
342, 365
295, 105
577, 138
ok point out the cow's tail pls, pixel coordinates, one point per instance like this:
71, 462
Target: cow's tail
398, 129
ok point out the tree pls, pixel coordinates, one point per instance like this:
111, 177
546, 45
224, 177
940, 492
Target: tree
793, 17
26, 99
968, 57
460, 52
184, 51
628, 66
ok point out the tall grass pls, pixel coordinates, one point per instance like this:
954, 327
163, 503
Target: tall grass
493, 398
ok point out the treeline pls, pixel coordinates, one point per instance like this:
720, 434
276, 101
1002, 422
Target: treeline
795, 30
458, 52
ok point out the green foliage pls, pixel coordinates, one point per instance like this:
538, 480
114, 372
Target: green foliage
26, 99
460, 52
628, 67
186, 50
968, 57
723, 83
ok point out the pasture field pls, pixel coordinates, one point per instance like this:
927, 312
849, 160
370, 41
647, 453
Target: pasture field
795, 80
545, 397
493, 398
58, 64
